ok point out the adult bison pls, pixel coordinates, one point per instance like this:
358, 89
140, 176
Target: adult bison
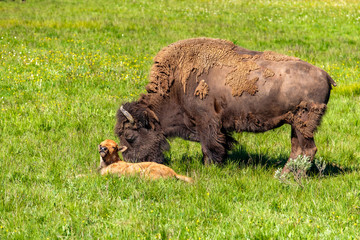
202, 89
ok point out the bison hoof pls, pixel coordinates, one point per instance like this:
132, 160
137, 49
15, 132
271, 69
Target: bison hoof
206, 160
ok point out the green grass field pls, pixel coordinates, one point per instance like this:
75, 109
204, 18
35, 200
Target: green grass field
66, 67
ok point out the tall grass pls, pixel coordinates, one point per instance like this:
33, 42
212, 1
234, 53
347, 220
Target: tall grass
66, 66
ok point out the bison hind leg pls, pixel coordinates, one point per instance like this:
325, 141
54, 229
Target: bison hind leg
300, 146
304, 122
307, 118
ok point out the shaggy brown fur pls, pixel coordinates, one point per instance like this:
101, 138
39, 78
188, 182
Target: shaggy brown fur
200, 55
110, 162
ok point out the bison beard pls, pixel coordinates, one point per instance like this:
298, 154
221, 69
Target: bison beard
203, 89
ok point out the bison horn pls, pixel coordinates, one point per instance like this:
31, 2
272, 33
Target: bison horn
127, 114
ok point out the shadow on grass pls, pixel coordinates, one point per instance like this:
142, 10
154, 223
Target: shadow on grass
332, 169
240, 156
243, 158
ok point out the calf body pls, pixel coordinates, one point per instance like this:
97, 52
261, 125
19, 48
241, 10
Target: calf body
110, 163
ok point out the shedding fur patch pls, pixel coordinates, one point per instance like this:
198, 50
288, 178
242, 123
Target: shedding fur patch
196, 56
268, 73
202, 90
238, 79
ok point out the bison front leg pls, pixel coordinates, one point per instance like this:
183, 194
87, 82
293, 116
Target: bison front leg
212, 152
214, 144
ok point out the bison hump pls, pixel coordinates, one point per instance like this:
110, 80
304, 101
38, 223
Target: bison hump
198, 55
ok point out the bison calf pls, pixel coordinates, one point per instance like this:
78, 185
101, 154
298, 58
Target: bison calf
110, 162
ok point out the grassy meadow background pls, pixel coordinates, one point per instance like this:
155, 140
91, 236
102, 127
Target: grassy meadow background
65, 68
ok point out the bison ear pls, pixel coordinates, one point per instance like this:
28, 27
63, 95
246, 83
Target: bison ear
151, 119
153, 115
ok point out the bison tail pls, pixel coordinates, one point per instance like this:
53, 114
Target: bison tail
184, 178
331, 81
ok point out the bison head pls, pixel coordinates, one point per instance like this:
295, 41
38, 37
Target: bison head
138, 129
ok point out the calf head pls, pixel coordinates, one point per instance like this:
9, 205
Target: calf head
108, 151
138, 128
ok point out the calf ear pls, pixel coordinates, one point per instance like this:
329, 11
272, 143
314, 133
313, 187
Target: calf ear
122, 148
